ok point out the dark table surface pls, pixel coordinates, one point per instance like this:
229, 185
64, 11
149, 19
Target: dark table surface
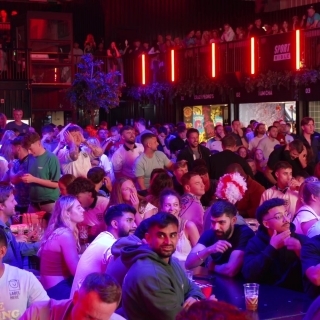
274, 302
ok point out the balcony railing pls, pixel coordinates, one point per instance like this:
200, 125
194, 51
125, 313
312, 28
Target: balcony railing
14, 64
276, 52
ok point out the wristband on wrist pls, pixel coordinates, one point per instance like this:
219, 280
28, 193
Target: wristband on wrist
201, 259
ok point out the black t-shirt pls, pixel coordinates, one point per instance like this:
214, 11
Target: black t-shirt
177, 144
238, 240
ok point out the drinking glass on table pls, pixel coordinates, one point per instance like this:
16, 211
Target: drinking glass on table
251, 294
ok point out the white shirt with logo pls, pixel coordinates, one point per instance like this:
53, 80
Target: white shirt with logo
18, 290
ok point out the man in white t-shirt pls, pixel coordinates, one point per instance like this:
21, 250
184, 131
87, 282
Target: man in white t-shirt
268, 143
120, 222
19, 288
124, 157
95, 206
150, 159
72, 159
98, 298
285, 188
259, 134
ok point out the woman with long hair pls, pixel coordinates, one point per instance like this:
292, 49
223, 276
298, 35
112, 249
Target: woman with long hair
124, 191
89, 44
59, 249
309, 213
3, 123
169, 201
158, 182
259, 159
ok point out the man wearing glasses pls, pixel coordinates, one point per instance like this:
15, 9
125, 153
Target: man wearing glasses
272, 256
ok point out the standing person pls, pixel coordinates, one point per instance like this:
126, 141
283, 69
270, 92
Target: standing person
294, 153
219, 162
3, 123
29, 291
285, 188
48, 141
43, 174
228, 33
59, 250
156, 286
120, 222
193, 150
215, 144
72, 159
98, 298
17, 123
150, 159
18, 169
259, 134
141, 125
268, 143
283, 137
178, 143
238, 134
191, 207
15, 249
123, 159
114, 142
311, 139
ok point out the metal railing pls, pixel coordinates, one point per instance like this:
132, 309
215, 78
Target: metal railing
189, 64
14, 64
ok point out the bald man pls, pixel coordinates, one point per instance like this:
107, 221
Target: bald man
248, 205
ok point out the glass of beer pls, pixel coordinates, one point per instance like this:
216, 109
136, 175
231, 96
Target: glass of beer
251, 293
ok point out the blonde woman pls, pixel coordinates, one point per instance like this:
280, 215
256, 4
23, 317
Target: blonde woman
188, 232
124, 191
59, 249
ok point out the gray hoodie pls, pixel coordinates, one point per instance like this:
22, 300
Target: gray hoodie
115, 267
152, 288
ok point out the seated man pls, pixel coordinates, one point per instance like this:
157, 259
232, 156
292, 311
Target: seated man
272, 256
15, 250
94, 204
225, 243
179, 169
19, 288
156, 286
286, 187
191, 207
97, 298
120, 222
72, 159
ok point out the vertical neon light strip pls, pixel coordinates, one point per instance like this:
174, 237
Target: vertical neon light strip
143, 69
213, 60
172, 65
252, 56
297, 49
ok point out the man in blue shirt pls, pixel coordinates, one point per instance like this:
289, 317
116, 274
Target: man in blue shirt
15, 249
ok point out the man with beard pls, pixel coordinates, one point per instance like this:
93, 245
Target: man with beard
124, 158
156, 287
120, 221
221, 248
272, 256
194, 150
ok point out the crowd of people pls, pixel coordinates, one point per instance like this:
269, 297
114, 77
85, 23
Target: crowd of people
128, 209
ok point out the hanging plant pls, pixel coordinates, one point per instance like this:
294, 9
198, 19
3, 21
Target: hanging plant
93, 89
